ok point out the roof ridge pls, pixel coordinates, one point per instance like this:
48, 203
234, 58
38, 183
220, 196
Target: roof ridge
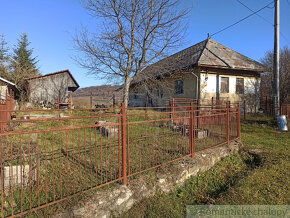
57, 72
204, 47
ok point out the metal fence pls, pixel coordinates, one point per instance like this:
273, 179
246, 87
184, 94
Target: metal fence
268, 107
45, 164
6, 108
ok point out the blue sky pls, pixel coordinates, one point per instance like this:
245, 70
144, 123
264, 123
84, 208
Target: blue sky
51, 24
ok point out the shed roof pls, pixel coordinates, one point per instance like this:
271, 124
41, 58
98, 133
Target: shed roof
6, 81
55, 73
208, 53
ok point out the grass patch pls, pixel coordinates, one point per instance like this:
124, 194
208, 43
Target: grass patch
67, 161
239, 179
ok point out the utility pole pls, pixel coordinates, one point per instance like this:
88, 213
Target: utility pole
276, 96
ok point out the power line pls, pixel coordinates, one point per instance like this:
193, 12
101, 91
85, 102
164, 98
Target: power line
255, 12
264, 18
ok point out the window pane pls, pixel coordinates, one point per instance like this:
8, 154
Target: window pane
179, 87
224, 85
240, 86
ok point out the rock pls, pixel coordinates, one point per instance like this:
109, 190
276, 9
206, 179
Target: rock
255, 151
110, 131
101, 122
201, 133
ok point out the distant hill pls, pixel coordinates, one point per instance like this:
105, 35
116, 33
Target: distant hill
98, 91
101, 95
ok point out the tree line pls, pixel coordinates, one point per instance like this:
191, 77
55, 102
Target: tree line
266, 88
18, 64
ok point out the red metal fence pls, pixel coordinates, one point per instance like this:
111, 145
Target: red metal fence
267, 105
6, 108
46, 164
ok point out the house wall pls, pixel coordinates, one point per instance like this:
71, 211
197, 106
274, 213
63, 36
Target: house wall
138, 94
3, 91
4, 88
46, 89
209, 88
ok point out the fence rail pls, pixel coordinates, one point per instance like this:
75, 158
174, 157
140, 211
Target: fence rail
41, 167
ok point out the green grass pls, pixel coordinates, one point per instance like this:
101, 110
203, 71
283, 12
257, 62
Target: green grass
239, 179
73, 160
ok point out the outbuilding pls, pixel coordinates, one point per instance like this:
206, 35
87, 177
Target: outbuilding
48, 88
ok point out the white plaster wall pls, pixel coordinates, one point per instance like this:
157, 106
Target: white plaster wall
209, 85
3, 91
208, 88
232, 84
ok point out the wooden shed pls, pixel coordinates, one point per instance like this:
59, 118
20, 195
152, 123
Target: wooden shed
46, 88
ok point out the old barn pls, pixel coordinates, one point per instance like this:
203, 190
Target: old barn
46, 88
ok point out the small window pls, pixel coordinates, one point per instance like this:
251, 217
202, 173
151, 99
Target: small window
224, 85
179, 87
160, 93
240, 86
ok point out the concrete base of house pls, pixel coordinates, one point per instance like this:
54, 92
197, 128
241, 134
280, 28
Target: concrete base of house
117, 200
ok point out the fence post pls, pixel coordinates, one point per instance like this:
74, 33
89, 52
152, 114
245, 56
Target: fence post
211, 102
58, 100
239, 120
191, 124
114, 102
91, 101
70, 100
244, 109
7, 101
228, 122
266, 105
124, 154
12, 101
172, 109
1, 117
197, 107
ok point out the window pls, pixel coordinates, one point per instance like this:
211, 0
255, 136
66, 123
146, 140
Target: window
224, 85
179, 87
240, 85
160, 93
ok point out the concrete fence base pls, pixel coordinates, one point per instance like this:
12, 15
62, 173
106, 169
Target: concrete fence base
117, 200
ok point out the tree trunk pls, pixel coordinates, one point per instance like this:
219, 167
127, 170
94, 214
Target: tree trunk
126, 91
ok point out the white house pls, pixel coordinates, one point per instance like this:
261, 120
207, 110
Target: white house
202, 71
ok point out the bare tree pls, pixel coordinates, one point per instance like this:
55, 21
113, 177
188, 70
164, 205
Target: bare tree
267, 78
134, 34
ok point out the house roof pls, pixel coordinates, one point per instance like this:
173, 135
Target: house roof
208, 53
6, 81
55, 73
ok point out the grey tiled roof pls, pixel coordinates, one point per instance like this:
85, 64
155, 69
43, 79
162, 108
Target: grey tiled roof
208, 53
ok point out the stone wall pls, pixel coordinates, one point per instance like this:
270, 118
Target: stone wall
115, 201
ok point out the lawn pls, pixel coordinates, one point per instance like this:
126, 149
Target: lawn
67, 161
239, 179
